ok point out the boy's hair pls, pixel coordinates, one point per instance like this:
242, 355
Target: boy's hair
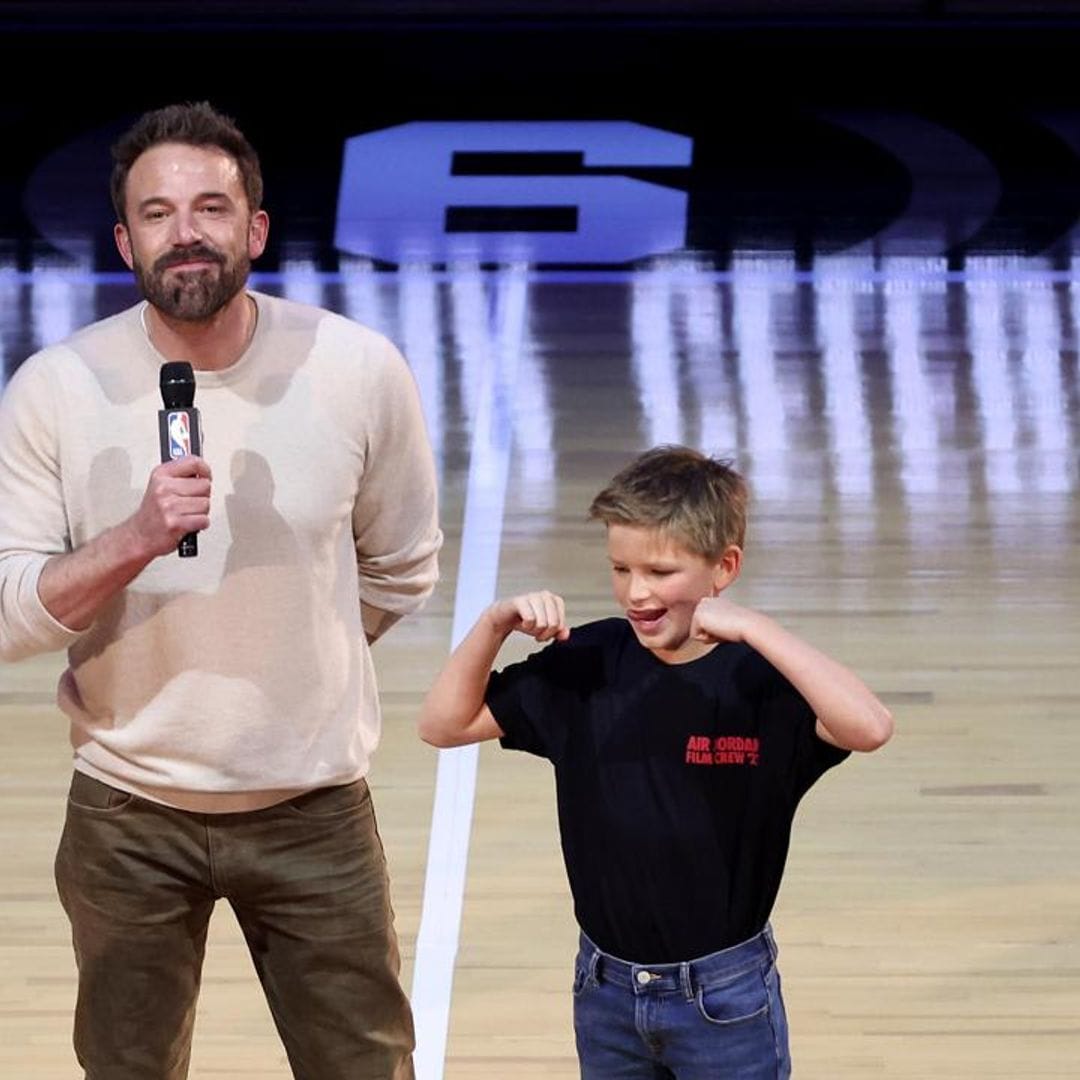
695, 499
194, 124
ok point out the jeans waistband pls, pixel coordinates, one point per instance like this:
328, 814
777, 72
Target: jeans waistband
683, 977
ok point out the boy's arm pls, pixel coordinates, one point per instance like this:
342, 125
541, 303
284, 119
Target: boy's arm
849, 715
454, 712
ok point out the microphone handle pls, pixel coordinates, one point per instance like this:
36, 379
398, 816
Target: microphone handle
177, 442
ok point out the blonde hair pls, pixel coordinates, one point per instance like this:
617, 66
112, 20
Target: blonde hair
695, 499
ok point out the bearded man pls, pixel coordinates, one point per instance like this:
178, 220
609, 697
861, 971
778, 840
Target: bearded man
223, 708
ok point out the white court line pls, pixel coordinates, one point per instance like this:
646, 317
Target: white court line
455, 783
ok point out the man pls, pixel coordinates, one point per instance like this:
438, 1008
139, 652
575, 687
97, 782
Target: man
223, 708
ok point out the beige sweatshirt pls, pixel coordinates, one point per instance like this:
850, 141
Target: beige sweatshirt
240, 677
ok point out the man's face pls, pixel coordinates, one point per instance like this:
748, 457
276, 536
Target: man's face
190, 236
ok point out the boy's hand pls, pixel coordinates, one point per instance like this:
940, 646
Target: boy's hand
718, 619
541, 615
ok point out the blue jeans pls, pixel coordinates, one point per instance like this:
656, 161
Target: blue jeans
714, 1018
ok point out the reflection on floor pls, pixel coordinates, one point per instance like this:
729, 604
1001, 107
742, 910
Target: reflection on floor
850, 377
911, 436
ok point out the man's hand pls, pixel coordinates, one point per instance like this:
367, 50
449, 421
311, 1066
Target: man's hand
176, 502
74, 587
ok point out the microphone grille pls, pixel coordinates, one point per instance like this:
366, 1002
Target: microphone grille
177, 382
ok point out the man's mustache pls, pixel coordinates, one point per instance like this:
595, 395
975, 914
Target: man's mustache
183, 255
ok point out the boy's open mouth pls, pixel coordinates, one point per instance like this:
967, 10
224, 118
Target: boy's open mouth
647, 620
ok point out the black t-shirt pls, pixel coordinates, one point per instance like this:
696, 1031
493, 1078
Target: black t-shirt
676, 784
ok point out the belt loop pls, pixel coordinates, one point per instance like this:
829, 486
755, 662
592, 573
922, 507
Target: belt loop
594, 967
770, 942
684, 978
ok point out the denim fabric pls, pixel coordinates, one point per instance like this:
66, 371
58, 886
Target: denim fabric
720, 1017
307, 881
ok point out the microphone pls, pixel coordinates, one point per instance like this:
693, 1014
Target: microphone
179, 428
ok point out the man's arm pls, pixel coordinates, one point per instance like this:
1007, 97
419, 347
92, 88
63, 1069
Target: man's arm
74, 587
49, 594
849, 715
454, 712
395, 516
376, 621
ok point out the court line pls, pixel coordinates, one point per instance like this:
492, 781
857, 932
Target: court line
455, 783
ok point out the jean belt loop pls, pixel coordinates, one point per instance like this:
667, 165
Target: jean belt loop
594, 967
770, 942
687, 982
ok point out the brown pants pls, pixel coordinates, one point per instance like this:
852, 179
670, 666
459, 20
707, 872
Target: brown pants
307, 880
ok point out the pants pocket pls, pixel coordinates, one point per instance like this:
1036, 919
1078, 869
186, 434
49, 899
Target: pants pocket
330, 802
581, 977
86, 793
736, 999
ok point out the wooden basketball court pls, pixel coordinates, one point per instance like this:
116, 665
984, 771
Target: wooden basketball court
912, 443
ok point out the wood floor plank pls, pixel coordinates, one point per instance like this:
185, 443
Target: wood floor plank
921, 523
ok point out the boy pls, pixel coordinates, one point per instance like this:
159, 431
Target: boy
682, 737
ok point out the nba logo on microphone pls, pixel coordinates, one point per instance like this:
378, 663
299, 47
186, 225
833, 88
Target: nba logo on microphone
179, 427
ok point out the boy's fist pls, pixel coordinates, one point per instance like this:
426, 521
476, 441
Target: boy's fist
541, 615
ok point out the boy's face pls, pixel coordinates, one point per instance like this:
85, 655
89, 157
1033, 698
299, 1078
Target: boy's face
658, 583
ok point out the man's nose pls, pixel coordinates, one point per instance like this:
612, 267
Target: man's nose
185, 229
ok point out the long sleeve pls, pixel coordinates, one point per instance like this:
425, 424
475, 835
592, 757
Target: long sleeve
395, 517
33, 520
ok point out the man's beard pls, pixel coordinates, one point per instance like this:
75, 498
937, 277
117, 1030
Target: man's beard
193, 295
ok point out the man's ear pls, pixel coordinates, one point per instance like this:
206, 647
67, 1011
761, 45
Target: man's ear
726, 568
258, 231
123, 244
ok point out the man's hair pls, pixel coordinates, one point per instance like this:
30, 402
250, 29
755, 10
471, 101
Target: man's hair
193, 124
694, 499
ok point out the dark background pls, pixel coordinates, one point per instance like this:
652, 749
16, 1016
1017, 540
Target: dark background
750, 82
